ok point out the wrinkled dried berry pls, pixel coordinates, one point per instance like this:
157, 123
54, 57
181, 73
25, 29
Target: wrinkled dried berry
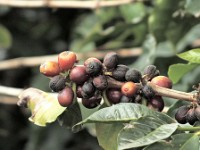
91, 102
181, 113
111, 60
191, 117
57, 83
100, 82
133, 75
151, 72
119, 72
148, 92
88, 89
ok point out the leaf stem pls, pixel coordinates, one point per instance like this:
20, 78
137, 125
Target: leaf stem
188, 128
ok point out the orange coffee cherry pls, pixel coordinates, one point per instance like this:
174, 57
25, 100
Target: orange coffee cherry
49, 68
129, 89
162, 81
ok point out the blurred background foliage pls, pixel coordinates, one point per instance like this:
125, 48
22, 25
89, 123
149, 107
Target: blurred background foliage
161, 28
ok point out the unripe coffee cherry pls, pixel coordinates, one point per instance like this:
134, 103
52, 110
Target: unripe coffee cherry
191, 117
78, 74
49, 68
57, 83
65, 97
162, 81
92, 102
151, 72
156, 103
133, 75
119, 72
125, 99
129, 89
88, 89
93, 68
91, 59
197, 112
111, 60
181, 113
114, 95
66, 60
148, 92
100, 82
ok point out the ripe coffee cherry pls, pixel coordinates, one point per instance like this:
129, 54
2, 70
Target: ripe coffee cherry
91, 59
156, 103
148, 92
92, 102
65, 97
79, 91
111, 60
66, 60
93, 68
114, 95
119, 72
57, 83
151, 72
125, 99
100, 82
162, 81
191, 117
129, 89
88, 89
197, 112
181, 113
49, 68
133, 75
78, 74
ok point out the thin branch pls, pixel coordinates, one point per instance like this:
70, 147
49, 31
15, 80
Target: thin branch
36, 61
88, 4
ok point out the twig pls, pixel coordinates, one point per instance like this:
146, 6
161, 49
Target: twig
35, 61
88, 4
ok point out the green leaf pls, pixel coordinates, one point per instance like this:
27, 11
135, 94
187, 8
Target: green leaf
70, 117
145, 131
44, 106
177, 71
5, 38
192, 56
192, 6
123, 112
107, 135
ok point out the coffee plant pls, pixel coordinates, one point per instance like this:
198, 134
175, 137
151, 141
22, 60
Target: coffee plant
129, 103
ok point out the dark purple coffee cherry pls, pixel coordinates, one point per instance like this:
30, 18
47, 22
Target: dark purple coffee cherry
78, 74
88, 89
79, 91
191, 117
181, 113
114, 95
133, 75
111, 60
93, 68
151, 72
156, 103
57, 83
119, 72
100, 82
125, 99
92, 102
148, 92
197, 112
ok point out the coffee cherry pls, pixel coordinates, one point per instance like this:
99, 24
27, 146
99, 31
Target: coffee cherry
151, 72
111, 60
57, 83
49, 68
93, 68
114, 95
181, 113
88, 89
91, 59
148, 92
197, 112
129, 89
133, 75
125, 99
156, 103
66, 60
100, 82
191, 117
79, 91
78, 74
91, 102
162, 81
119, 72
138, 98
65, 97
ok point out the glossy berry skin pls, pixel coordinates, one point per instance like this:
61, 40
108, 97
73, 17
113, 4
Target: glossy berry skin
91, 59
119, 72
91, 102
65, 97
162, 81
93, 68
78, 74
129, 89
88, 89
114, 95
133, 75
66, 60
111, 60
181, 113
49, 68
100, 82
191, 117
156, 103
151, 72
57, 83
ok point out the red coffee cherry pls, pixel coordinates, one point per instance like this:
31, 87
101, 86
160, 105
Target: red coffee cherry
66, 60
78, 74
65, 97
162, 81
129, 89
49, 68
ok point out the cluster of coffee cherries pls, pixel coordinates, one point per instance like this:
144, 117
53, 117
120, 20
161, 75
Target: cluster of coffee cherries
188, 114
94, 79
